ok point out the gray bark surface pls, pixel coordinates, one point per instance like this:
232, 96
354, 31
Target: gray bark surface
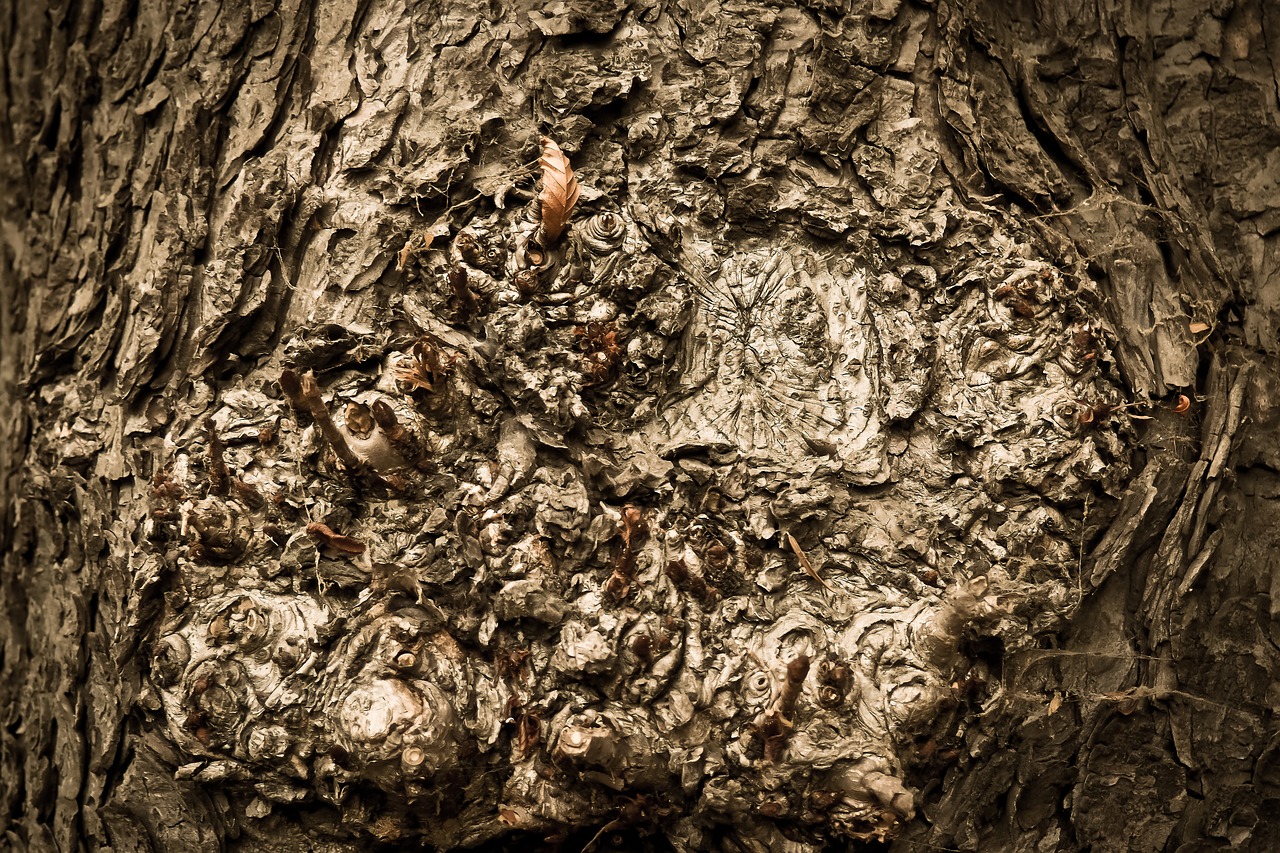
881, 454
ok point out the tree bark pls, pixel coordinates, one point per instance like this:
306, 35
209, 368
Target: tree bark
639, 425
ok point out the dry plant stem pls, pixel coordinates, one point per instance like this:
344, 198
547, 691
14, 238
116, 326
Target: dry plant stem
291, 385
797, 671
776, 727
219, 478
463, 297
325, 535
314, 403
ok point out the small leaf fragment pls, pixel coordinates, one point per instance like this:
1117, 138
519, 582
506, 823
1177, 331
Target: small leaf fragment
559, 190
1197, 328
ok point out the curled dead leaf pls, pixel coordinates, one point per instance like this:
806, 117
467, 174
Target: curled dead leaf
1183, 404
559, 190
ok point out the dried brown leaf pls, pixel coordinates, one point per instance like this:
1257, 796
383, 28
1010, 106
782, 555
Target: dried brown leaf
559, 190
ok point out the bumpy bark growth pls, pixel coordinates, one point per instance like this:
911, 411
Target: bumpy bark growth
738, 426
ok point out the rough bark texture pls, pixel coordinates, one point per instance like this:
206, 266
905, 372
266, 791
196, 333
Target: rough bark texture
851, 425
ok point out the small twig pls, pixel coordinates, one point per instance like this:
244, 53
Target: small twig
805, 564
1084, 521
304, 394
219, 477
325, 535
291, 385
611, 825
797, 671
776, 727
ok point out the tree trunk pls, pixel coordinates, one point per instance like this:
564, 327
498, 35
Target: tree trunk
640, 425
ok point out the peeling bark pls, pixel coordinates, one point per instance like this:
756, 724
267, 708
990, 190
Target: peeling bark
626, 424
